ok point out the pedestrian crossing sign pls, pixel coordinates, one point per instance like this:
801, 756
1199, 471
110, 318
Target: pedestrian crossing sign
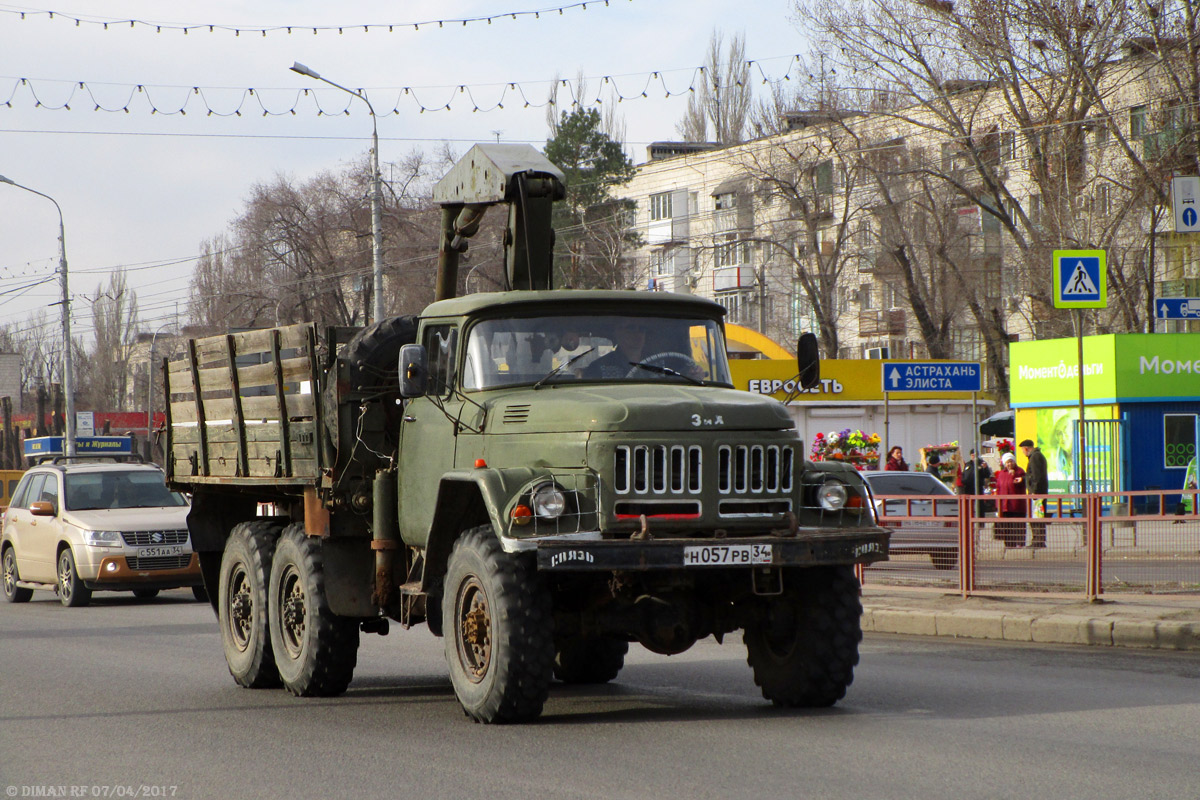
1080, 279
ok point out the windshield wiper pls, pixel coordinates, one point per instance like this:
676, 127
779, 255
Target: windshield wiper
562, 366
665, 371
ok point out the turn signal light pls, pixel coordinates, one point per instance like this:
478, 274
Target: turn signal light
480, 463
855, 501
522, 515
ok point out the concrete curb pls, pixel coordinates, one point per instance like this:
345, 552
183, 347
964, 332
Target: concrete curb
1051, 628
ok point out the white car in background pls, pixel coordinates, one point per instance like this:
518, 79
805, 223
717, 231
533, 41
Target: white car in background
78, 527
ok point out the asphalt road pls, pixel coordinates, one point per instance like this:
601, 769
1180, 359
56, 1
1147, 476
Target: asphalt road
130, 698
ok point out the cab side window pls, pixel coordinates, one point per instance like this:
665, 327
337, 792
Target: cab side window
440, 343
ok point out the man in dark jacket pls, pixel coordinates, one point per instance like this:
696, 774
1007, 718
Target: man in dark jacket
1037, 481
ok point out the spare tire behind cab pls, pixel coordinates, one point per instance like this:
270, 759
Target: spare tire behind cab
372, 360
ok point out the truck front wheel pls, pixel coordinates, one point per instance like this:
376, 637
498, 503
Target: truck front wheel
315, 650
803, 647
589, 659
242, 604
499, 637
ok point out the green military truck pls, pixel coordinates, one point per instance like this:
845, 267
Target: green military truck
540, 476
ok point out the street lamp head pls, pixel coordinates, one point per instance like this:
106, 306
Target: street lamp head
305, 71
7, 180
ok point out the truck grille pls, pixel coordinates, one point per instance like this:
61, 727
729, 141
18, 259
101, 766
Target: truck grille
754, 469
676, 469
658, 469
147, 538
159, 562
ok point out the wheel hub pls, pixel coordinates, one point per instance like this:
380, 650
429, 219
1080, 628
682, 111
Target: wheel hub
292, 612
241, 610
475, 630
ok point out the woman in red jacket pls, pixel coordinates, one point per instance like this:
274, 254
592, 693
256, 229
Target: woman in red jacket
895, 460
1010, 497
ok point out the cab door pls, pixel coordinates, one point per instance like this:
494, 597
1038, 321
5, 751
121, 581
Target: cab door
429, 435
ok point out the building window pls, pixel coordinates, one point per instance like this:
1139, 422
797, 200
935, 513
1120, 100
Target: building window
1137, 121
1179, 440
660, 206
737, 304
864, 297
823, 178
661, 262
1008, 146
1035, 209
1101, 203
732, 253
726, 201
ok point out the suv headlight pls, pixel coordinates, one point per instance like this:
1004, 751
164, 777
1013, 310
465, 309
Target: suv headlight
548, 501
102, 538
832, 495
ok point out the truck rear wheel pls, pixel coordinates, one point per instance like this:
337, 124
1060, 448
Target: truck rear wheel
592, 659
315, 650
804, 647
242, 604
499, 638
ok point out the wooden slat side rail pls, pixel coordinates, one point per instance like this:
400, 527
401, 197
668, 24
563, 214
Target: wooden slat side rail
198, 405
317, 415
285, 443
238, 420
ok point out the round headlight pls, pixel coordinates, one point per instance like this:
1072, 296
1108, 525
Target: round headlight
548, 502
832, 495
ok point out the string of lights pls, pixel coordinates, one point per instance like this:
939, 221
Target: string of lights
57, 95
113, 23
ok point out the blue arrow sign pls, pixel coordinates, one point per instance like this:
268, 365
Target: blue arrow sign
1177, 308
932, 376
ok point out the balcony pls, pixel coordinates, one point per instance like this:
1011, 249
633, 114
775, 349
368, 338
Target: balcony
890, 322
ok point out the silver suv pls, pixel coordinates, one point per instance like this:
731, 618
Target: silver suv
80, 527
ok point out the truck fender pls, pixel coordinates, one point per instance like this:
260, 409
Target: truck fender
466, 499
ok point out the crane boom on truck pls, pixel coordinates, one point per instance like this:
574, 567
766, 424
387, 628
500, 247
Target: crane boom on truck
540, 476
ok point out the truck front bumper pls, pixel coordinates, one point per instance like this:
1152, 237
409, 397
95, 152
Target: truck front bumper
805, 549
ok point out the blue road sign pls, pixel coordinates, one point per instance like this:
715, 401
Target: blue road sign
932, 376
1080, 279
1177, 308
84, 446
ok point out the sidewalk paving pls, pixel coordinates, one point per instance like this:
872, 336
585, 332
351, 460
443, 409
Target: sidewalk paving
1164, 622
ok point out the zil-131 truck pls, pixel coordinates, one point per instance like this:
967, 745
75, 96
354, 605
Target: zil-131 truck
540, 476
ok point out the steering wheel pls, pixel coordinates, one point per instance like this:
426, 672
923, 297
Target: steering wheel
686, 364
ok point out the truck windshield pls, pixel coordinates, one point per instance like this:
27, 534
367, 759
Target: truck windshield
612, 347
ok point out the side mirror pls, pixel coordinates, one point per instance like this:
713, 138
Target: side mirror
808, 360
42, 508
414, 370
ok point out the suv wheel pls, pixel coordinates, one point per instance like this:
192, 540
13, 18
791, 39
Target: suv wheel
12, 592
71, 591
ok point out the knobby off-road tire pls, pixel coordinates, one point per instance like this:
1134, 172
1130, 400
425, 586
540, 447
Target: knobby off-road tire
804, 649
315, 650
242, 604
596, 659
499, 630
71, 591
12, 592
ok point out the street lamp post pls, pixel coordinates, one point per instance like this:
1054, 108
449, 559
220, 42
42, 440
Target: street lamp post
68, 372
376, 189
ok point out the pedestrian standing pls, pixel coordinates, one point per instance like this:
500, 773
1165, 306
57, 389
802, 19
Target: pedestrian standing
1037, 481
895, 460
975, 475
1010, 492
931, 465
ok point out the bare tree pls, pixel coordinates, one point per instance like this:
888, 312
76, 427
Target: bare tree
723, 98
106, 376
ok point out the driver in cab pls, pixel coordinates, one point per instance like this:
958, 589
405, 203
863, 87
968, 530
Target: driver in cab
629, 338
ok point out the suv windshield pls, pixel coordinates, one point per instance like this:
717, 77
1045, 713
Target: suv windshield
609, 347
115, 489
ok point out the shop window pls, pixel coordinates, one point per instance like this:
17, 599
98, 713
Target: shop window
1179, 440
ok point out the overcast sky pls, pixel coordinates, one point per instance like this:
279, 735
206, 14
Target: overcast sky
142, 190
